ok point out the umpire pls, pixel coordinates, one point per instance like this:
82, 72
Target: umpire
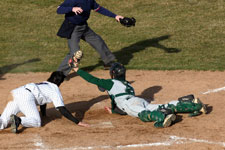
75, 27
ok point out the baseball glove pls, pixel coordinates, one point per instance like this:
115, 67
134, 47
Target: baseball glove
101, 89
128, 22
77, 55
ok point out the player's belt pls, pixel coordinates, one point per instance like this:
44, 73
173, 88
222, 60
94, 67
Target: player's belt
122, 94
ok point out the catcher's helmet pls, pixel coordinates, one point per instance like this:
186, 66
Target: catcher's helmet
117, 71
57, 77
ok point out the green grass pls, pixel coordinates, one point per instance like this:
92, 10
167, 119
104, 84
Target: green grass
169, 35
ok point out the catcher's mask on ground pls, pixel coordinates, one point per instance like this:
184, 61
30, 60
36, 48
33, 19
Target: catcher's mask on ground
117, 71
57, 77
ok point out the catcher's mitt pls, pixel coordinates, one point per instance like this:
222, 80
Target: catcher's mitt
101, 89
77, 55
128, 22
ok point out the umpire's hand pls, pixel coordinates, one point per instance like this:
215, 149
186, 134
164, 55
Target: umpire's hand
118, 17
77, 10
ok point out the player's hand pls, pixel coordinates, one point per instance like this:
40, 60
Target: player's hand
108, 110
83, 124
77, 10
75, 60
118, 17
76, 67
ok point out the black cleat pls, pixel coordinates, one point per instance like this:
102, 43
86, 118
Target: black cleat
187, 98
15, 122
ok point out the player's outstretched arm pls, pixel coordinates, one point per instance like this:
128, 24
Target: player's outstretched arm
69, 116
103, 83
43, 110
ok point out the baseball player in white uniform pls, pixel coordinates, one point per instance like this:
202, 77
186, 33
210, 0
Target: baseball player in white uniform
27, 97
124, 101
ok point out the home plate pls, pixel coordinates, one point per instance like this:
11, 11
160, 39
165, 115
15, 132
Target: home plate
103, 125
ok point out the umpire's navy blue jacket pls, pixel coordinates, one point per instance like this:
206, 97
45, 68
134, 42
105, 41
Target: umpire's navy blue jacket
86, 5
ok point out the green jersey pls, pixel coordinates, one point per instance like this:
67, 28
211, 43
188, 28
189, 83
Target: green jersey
115, 88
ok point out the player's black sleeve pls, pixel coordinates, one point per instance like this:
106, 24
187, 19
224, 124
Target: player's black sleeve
67, 114
119, 111
115, 109
43, 109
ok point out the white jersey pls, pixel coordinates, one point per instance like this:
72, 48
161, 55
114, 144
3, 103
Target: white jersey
25, 100
123, 95
44, 92
120, 87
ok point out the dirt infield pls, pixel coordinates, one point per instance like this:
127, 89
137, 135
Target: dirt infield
205, 132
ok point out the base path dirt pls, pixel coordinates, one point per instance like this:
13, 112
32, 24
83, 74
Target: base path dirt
85, 101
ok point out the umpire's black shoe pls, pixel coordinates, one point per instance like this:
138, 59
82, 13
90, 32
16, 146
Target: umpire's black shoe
15, 122
108, 65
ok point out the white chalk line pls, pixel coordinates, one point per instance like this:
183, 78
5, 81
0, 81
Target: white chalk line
38, 142
214, 90
172, 140
103, 125
183, 139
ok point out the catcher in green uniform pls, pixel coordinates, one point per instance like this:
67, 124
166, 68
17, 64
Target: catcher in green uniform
124, 101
